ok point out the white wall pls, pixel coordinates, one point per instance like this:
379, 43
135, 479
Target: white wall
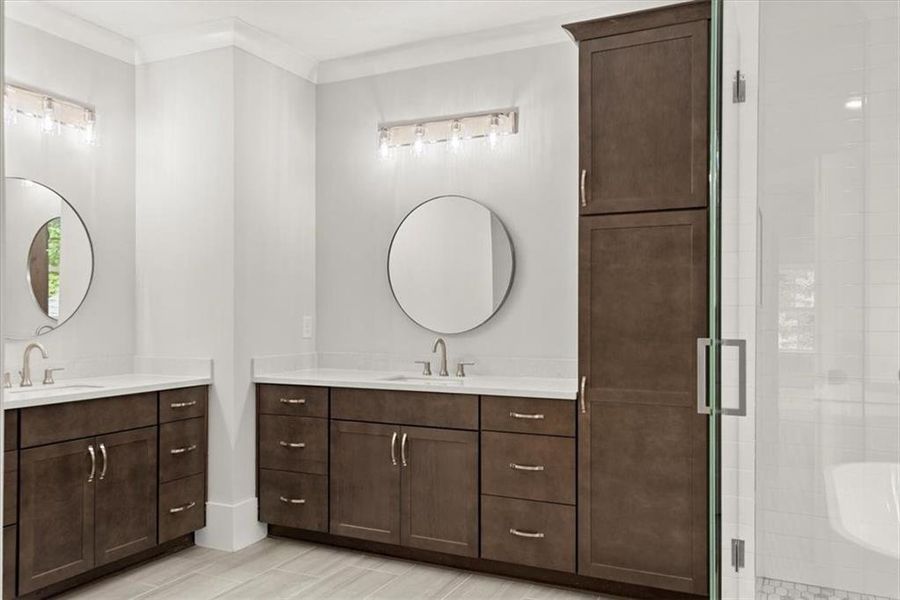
97, 180
225, 255
530, 181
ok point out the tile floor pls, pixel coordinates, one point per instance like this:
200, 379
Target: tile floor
775, 589
281, 568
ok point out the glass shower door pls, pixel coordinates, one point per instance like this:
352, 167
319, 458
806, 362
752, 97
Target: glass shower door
806, 486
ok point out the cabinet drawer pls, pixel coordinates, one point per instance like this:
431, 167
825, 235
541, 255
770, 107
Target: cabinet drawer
10, 487
523, 532
533, 467
297, 444
456, 411
182, 448
528, 415
73, 420
10, 429
181, 507
293, 499
185, 403
293, 400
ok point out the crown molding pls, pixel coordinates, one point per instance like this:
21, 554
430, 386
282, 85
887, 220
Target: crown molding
531, 34
223, 33
69, 27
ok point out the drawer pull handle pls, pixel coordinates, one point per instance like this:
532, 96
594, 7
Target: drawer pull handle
183, 404
535, 416
293, 400
292, 500
518, 467
394, 449
183, 449
527, 534
93, 462
403, 459
182, 508
292, 444
105, 461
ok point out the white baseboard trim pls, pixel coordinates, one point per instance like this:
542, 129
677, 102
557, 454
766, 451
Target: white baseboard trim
230, 527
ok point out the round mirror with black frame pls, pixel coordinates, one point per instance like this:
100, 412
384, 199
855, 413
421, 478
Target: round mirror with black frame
49, 259
451, 264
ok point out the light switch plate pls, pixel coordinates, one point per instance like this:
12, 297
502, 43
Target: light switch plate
307, 326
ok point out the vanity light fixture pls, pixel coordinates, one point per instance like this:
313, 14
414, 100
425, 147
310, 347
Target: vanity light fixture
455, 130
50, 111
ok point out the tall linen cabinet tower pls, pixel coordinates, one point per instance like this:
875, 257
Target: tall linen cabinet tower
643, 296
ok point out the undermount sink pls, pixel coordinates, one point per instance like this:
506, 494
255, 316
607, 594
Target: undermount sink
50, 388
424, 380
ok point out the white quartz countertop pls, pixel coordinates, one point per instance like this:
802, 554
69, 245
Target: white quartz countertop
74, 390
532, 387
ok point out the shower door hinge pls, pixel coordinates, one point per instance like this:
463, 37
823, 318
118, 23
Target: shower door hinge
737, 554
739, 88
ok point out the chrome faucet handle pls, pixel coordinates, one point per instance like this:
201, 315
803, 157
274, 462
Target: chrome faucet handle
48, 375
461, 368
426, 366
7, 381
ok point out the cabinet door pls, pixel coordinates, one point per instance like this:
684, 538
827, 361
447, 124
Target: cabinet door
125, 497
642, 445
439, 490
56, 513
644, 119
365, 481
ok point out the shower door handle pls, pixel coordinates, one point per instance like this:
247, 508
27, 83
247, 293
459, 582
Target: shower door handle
702, 376
741, 410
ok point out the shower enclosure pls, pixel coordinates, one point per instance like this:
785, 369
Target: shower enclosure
806, 488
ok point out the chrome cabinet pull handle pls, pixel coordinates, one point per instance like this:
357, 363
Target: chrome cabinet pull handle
183, 449
93, 462
535, 416
182, 508
182, 404
527, 534
403, 450
702, 345
518, 467
583, 183
105, 461
291, 444
582, 394
292, 500
293, 400
394, 449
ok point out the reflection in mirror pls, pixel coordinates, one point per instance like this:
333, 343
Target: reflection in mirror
451, 264
46, 237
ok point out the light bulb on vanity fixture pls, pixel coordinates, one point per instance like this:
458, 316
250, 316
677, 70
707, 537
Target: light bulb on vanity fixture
384, 143
456, 136
88, 133
48, 123
494, 131
419, 143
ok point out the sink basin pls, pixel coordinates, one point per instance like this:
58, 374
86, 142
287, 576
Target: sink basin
54, 387
435, 380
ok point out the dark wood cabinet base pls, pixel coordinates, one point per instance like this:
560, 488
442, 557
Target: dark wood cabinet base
485, 566
112, 568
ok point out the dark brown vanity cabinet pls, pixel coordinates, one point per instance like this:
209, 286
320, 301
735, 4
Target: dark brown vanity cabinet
643, 297
93, 490
398, 484
643, 113
413, 486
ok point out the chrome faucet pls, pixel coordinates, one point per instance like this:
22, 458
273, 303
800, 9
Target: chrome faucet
443, 345
25, 373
